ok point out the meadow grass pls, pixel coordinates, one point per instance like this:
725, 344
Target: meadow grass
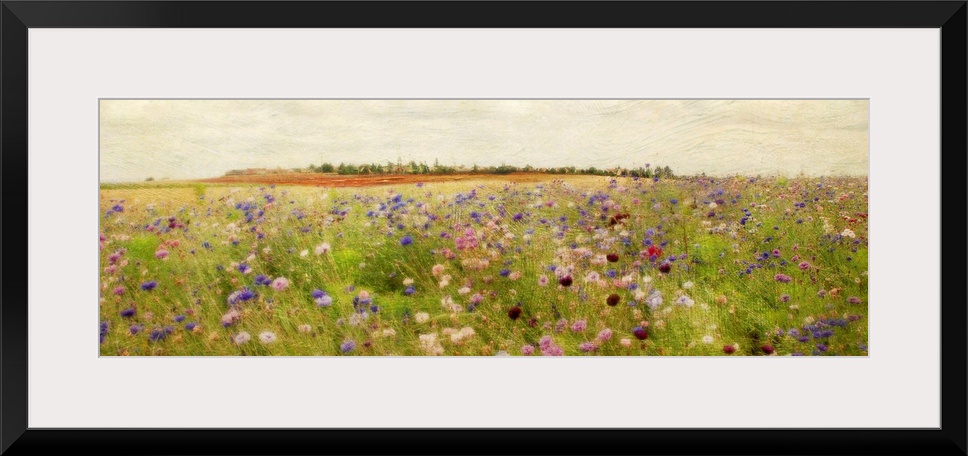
756, 266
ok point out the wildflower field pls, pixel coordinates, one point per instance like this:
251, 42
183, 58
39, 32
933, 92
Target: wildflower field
567, 265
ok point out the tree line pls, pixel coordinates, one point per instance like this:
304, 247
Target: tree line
436, 168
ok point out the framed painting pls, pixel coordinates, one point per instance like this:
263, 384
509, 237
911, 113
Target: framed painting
348, 220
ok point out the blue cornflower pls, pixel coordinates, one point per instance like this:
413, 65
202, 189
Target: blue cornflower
149, 285
406, 240
129, 312
505, 272
409, 290
179, 318
243, 268
261, 279
317, 293
191, 326
157, 335
244, 294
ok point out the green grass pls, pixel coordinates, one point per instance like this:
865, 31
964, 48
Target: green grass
724, 304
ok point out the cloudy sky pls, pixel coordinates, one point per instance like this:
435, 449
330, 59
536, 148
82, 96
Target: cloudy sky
187, 139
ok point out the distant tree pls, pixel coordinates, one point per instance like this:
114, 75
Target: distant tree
149, 179
326, 168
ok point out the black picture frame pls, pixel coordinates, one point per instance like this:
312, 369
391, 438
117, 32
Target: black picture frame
18, 16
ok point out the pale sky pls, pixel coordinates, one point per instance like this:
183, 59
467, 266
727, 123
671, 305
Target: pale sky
188, 139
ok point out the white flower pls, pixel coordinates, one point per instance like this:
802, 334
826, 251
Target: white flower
322, 248
687, 285
707, 339
267, 337
421, 317
639, 295
241, 338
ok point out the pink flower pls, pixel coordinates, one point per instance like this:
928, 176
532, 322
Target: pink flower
281, 283
527, 350
579, 326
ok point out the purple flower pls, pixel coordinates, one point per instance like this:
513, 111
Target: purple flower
149, 285
782, 278
261, 279
243, 268
135, 329
129, 312
191, 326
324, 300
409, 290
347, 346
179, 318
157, 335
406, 240
587, 346
104, 330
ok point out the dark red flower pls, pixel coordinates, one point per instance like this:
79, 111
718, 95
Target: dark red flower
640, 333
611, 257
729, 349
768, 349
617, 218
515, 312
532, 322
565, 281
665, 267
612, 300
